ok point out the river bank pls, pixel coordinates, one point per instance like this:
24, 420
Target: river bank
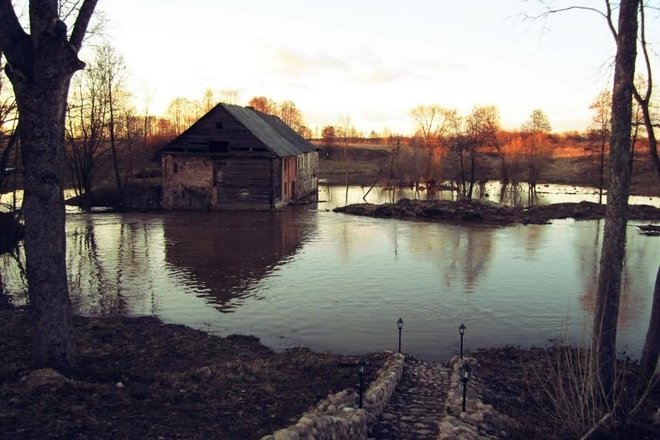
140, 378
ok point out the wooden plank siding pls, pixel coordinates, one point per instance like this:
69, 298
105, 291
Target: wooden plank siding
244, 182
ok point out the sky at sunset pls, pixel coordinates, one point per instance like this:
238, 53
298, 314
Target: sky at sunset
367, 59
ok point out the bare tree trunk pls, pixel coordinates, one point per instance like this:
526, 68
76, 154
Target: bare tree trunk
650, 135
40, 66
614, 241
4, 159
113, 147
652, 343
42, 141
602, 171
645, 101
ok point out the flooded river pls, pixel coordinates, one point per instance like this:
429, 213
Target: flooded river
308, 276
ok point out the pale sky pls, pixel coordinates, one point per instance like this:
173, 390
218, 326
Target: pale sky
368, 59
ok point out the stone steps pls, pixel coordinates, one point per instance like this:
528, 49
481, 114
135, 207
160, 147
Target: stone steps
417, 405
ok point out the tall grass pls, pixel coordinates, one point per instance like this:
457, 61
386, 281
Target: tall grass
578, 403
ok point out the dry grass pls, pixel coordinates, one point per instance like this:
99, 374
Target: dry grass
547, 390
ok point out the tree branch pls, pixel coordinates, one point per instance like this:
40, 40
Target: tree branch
606, 15
568, 8
42, 14
14, 41
82, 22
647, 61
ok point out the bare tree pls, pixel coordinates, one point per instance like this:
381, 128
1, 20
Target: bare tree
40, 65
613, 250
344, 133
292, 116
601, 123
86, 119
431, 123
614, 239
512, 167
182, 113
644, 96
229, 96
8, 123
263, 104
111, 67
328, 135
208, 101
481, 128
535, 139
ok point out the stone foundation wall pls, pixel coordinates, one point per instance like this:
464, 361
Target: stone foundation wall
337, 417
479, 421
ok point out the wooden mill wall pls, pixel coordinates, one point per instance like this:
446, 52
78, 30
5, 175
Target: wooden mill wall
244, 183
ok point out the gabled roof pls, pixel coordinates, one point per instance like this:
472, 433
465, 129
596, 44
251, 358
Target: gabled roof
277, 136
270, 130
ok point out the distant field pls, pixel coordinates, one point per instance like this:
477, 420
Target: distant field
571, 163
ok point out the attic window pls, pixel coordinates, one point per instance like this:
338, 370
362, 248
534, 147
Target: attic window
218, 147
242, 148
219, 126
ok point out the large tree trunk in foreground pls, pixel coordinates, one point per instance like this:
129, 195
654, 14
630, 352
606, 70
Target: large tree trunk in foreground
614, 239
42, 136
40, 66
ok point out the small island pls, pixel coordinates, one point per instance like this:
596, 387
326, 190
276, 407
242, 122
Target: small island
467, 210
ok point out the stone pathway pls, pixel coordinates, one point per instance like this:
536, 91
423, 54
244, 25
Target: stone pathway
417, 405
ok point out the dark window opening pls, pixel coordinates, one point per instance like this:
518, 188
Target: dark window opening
219, 126
176, 168
218, 147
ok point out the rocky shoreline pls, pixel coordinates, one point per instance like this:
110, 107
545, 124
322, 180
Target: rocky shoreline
476, 211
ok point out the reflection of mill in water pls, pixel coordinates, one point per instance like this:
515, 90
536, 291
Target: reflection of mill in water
223, 255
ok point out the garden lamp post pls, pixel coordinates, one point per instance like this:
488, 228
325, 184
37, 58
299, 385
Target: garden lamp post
362, 369
399, 325
465, 378
461, 330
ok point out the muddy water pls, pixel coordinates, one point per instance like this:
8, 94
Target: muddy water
307, 276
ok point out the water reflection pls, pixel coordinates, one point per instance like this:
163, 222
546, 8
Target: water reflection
331, 196
339, 282
109, 263
635, 290
226, 254
460, 252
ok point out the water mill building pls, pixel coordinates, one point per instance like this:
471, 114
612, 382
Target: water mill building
236, 157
